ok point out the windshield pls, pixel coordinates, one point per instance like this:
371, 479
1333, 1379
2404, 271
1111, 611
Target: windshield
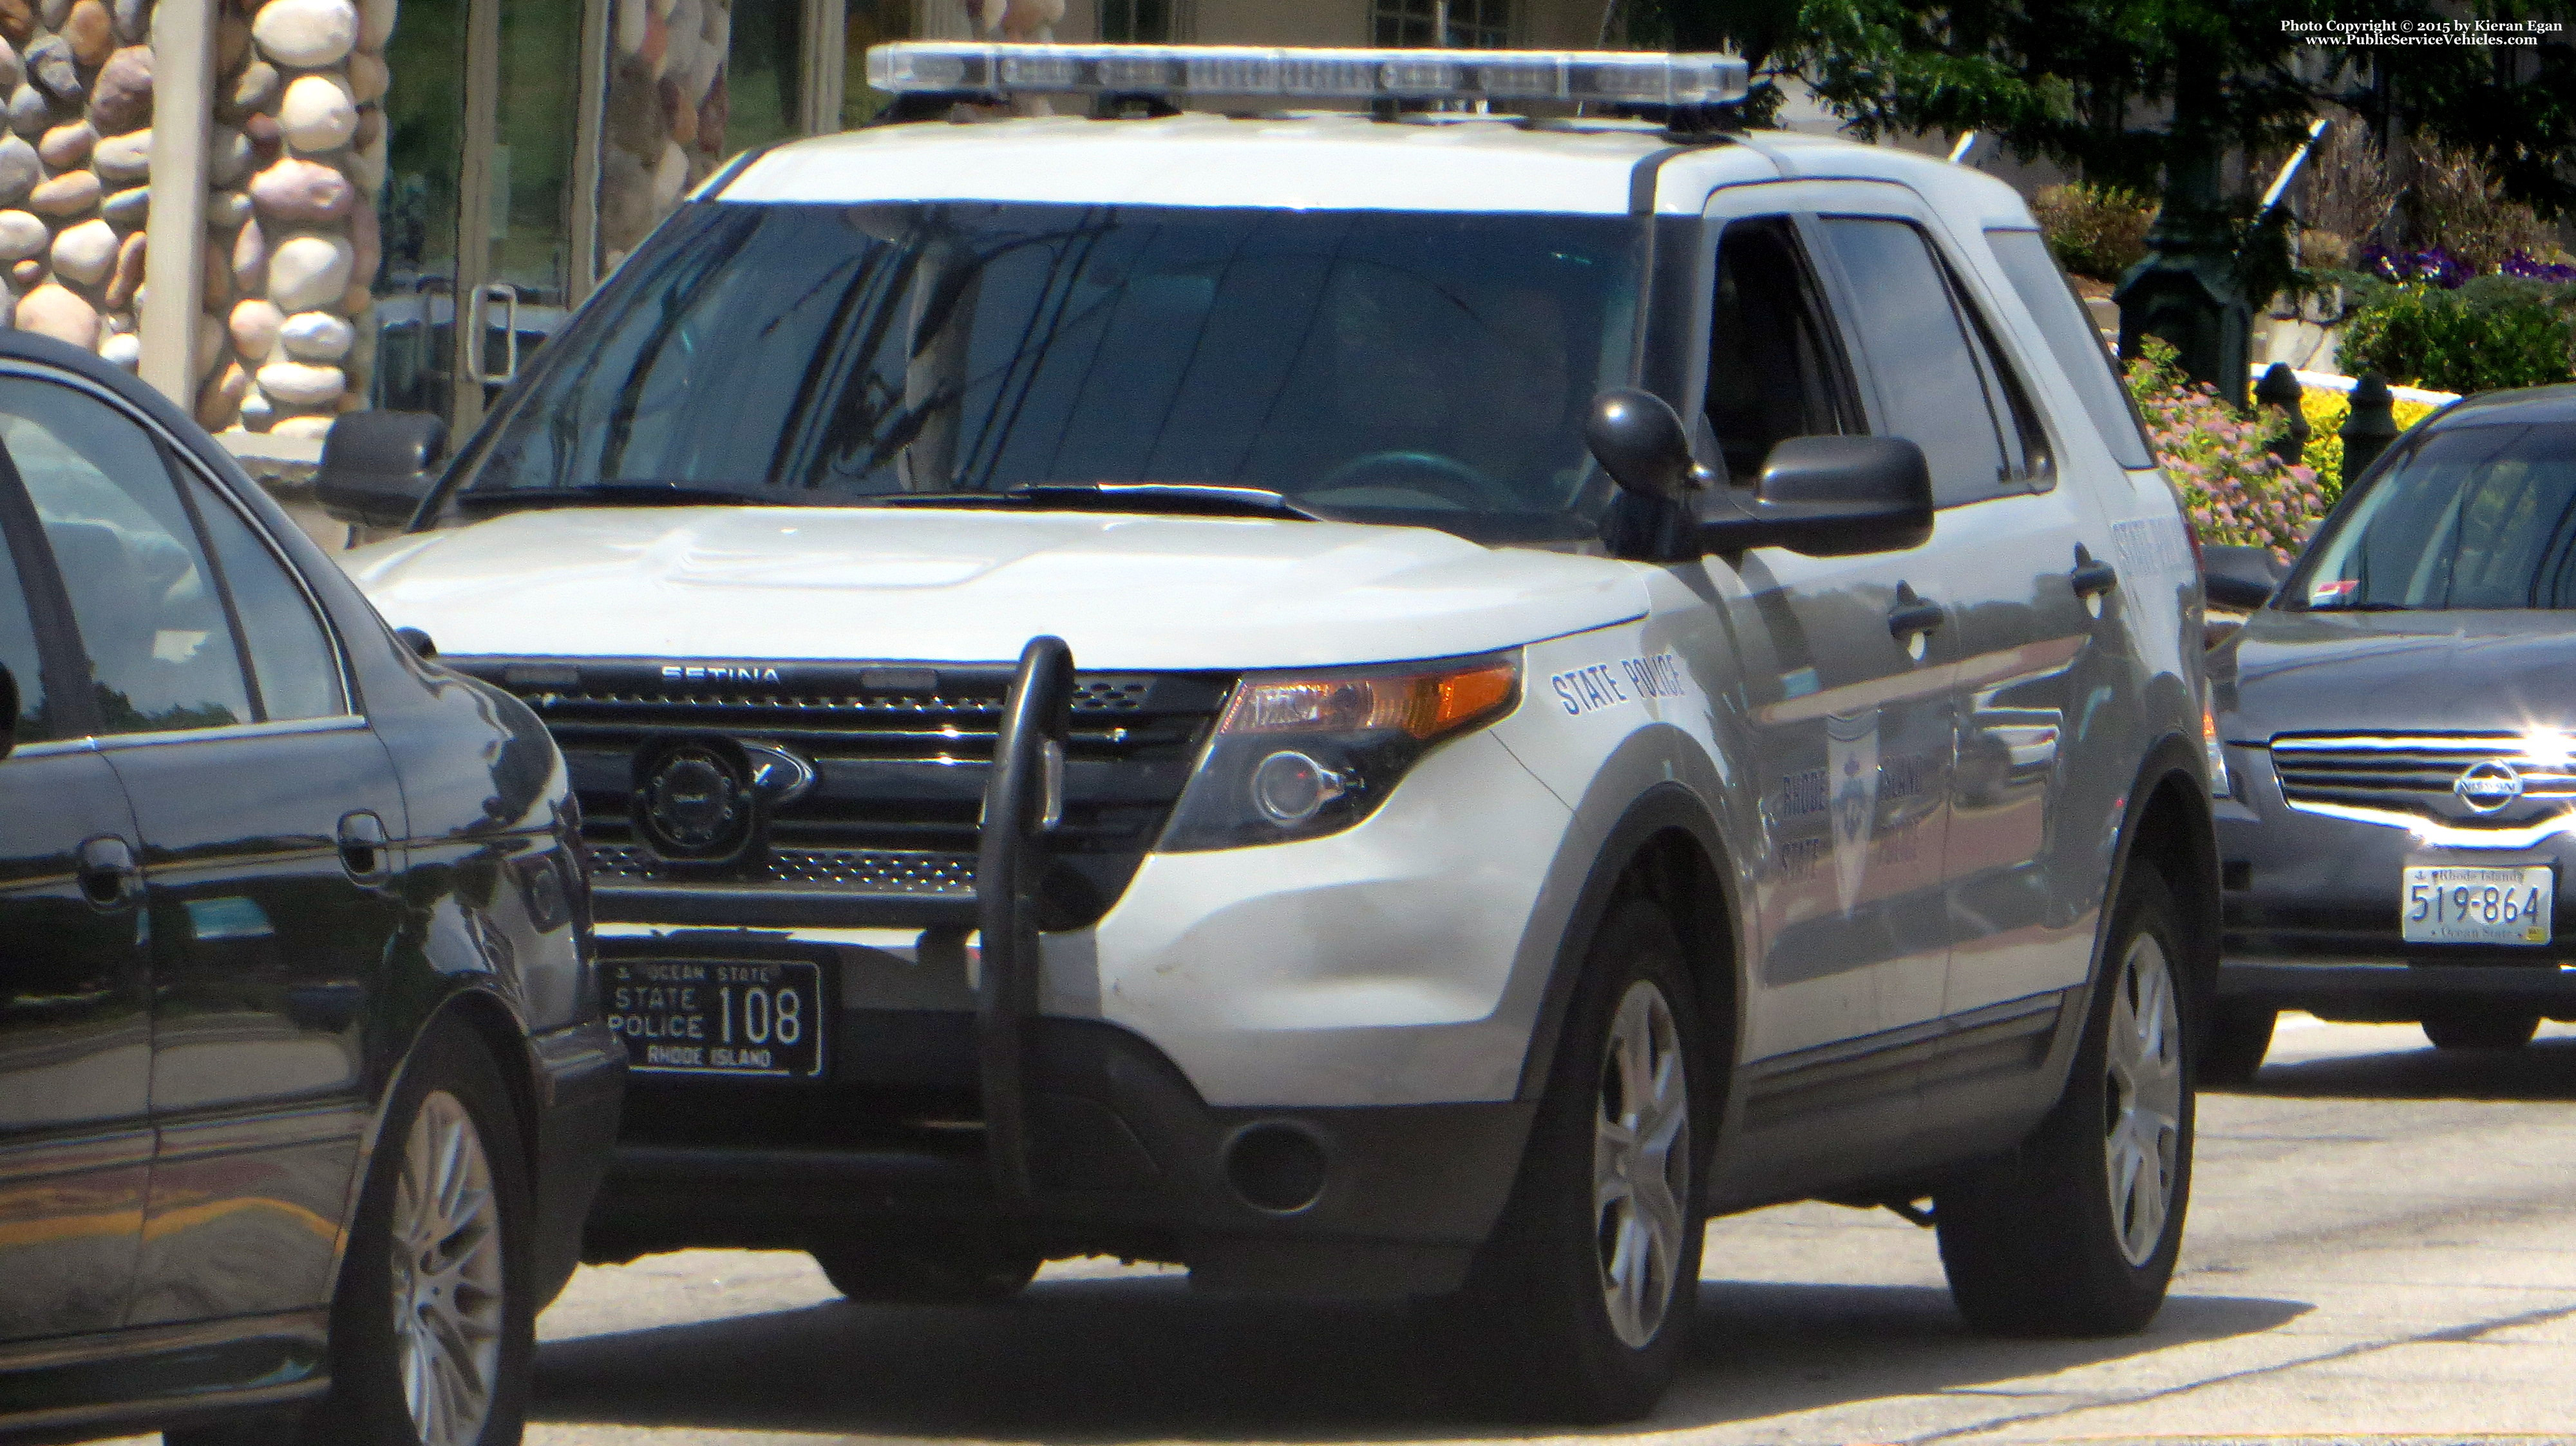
1370, 365
2472, 517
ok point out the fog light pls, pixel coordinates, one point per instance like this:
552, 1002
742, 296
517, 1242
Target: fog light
1290, 788
1275, 1167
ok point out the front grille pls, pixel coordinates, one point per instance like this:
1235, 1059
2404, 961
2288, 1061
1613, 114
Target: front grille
900, 755
2419, 775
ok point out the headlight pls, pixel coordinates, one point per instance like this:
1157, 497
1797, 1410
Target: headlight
1302, 755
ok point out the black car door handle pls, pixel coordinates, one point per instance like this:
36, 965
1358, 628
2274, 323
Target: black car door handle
1912, 615
2092, 577
108, 875
362, 847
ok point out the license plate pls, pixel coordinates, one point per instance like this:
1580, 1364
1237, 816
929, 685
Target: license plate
753, 1018
2477, 906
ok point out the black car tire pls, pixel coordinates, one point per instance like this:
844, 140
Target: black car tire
1540, 1299
2033, 1244
451, 1077
942, 1273
2479, 1026
2239, 1036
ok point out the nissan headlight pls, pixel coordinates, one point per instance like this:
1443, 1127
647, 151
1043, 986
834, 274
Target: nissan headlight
1300, 755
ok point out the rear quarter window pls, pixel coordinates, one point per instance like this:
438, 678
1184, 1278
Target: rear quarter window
2071, 337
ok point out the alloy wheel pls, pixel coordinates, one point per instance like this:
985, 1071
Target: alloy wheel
1640, 1163
448, 1289
2142, 1114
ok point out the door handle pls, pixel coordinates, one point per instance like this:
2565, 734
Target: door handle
108, 875
2092, 577
363, 847
508, 295
1912, 617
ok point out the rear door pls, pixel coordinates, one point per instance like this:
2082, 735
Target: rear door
265, 809
75, 1040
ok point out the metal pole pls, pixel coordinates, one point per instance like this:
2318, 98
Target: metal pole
183, 100
2290, 168
1959, 152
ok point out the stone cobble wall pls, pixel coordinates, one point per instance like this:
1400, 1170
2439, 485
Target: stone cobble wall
296, 159
666, 113
75, 167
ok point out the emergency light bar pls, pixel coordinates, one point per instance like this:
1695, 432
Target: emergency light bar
1601, 76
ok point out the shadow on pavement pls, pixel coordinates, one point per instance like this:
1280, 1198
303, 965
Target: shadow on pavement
2545, 1069
1147, 1360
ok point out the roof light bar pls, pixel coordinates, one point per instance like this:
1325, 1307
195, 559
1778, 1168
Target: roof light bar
1601, 76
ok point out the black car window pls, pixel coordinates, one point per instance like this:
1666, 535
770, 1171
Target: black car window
148, 608
2470, 517
2074, 341
19, 653
1774, 367
291, 656
1929, 374
2027, 458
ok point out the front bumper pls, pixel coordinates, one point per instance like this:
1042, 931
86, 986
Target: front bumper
2311, 908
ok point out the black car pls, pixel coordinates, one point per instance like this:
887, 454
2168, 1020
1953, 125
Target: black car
2400, 722
304, 1088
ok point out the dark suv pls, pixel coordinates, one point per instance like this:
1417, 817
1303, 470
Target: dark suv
304, 1086
2401, 740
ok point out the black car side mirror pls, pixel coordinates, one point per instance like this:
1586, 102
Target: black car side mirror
1639, 441
1827, 497
377, 466
8, 711
2239, 577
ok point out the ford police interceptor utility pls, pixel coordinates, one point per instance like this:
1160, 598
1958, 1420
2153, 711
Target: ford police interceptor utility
1401, 703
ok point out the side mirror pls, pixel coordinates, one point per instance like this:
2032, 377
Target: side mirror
2239, 577
377, 466
8, 711
1640, 442
1828, 497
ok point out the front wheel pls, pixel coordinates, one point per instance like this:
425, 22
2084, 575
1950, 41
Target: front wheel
2239, 1036
2075, 1234
2479, 1027
942, 1273
1586, 1290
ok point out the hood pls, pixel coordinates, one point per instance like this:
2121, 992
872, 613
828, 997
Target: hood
2450, 672
920, 585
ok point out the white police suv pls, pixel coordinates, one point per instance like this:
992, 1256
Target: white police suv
1406, 702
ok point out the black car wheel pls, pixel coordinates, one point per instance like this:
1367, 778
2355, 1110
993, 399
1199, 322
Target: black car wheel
1585, 1293
2075, 1234
942, 1273
2479, 1026
2239, 1036
433, 1332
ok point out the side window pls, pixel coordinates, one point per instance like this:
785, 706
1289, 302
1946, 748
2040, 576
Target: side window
1930, 374
2026, 455
1774, 368
291, 657
2073, 340
147, 606
19, 653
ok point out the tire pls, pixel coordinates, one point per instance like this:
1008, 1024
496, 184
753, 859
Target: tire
2239, 1036
1584, 1295
2479, 1026
396, 1330
2075, 1234
945, 1273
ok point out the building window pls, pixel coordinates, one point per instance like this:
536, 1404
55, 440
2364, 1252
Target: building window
1145, 22
1472, 24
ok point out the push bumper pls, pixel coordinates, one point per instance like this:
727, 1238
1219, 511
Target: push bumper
579, 1084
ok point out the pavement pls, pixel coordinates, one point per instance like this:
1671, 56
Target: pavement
2381, 1248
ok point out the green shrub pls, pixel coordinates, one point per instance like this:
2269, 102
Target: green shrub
2237, 492
2496, 331
2096, 231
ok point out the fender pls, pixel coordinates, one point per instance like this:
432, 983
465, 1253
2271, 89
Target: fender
1639, 781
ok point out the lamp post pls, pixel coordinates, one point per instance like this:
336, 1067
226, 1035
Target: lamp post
2186, 291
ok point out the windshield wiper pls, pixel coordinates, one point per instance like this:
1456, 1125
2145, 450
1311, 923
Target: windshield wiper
635, 494
1188, 499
